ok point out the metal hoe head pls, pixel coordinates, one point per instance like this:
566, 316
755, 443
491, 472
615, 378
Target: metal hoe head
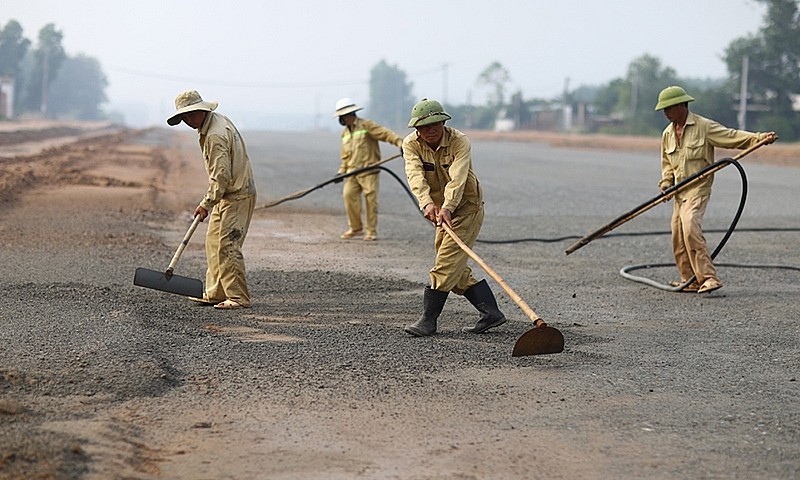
167, 282
539, 341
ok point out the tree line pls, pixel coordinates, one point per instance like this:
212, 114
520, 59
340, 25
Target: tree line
760, 93
764, 67
47, 82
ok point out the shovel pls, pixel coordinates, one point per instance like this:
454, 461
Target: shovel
540, 340
167, 281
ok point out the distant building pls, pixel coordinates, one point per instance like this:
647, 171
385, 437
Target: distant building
6, 97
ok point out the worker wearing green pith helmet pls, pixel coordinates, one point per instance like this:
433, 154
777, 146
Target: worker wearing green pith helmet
360, 149
687, 146
439, 170
229, 201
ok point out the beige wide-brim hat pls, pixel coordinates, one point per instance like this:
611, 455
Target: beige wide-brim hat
189, 101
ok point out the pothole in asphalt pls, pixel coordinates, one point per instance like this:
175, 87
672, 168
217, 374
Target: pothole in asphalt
249, 334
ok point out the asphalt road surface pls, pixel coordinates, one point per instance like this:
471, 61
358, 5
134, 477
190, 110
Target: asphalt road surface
101, 379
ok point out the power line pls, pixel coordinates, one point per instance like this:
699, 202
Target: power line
224, 83
227, 83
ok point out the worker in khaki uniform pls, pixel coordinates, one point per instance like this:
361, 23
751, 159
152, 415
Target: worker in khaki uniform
439, 170
360, 149
687, 146
229, 200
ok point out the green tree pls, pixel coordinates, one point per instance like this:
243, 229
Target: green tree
47, 59
774, 69
390, 99
714, 100
13, 47
608, 97
646, 78
79, 90
495, 76
632, 98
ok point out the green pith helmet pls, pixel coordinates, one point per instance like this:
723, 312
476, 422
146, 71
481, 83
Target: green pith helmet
673, 95
426, 112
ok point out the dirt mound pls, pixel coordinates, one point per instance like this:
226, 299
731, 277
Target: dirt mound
77, 163
24, 136
15, 133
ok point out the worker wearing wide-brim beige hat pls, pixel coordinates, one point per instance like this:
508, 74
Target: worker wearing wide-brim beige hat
439, 171
360, 149
229, 200
687, 147
190, 101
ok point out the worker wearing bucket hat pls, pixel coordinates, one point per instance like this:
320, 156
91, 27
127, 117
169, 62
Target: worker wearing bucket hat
687, 146
360, 149
229, 200
439, 170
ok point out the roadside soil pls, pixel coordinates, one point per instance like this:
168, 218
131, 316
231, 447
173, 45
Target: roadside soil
103, 380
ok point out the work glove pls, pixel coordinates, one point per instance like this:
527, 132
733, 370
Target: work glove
339, 178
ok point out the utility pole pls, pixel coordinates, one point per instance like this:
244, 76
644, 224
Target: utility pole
316, 113
634, 101
742, 115
566, 108
444, 83
45, 65
469, 109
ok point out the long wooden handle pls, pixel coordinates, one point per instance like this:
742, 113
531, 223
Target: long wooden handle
664, 196
303, 193
752, 148
497, 278
182, 246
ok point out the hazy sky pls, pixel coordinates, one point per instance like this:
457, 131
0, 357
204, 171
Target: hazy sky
267, 60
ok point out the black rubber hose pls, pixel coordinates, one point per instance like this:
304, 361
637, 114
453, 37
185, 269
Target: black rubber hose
625, 271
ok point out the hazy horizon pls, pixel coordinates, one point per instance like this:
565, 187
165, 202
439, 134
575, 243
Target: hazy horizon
283, 66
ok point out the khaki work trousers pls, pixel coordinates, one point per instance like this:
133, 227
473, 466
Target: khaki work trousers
688, 243
227, 229
450, 271
354, 186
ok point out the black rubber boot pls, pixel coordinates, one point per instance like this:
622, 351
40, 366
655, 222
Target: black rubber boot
433, 302
482, 298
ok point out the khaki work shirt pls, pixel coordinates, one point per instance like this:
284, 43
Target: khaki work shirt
227, 164
443, 176
695, 151
360, 145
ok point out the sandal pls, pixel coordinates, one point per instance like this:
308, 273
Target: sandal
203, 301
710, 285
228, 305
350, 234
692, 287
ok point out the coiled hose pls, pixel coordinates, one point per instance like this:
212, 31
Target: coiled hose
625, 271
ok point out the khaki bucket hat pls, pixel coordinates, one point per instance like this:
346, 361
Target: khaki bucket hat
189, 101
